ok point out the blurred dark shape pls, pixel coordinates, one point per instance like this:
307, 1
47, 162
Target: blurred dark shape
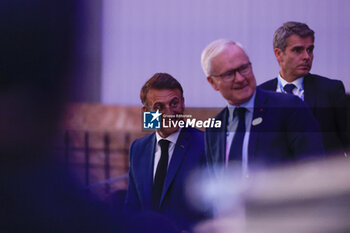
116, 200
348, 122
37, 58
152, 222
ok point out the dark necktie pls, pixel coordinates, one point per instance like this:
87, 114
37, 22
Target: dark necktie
289, 88
237, 142
159, 178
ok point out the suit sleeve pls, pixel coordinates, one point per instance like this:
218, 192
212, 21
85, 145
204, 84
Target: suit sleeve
339, 100
132, 202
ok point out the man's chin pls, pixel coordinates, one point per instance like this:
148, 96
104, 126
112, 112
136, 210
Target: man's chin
244, 97
303, 72
166, 132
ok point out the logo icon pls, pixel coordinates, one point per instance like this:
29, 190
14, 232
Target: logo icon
151, 120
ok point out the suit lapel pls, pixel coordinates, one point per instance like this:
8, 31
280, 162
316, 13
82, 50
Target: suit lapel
218, 139
181, 146
310, 92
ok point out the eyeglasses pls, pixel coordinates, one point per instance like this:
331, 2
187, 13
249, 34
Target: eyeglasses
230, 75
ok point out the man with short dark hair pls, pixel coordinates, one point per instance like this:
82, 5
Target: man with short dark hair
161, 162
293, 45
258, 129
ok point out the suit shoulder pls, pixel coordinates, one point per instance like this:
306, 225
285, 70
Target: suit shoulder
221, 114
142, 141
195, 133
324, 82
269, 85
144, 138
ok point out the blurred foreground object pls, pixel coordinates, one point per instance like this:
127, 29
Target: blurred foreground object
308, 197
37, 193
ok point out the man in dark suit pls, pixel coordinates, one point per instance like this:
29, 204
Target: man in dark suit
257, 127
161, 162
293, 45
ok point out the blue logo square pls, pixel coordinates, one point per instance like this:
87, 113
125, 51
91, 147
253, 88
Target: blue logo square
151, 120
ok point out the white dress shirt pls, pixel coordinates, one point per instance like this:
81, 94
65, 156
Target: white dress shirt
232, 125
172, 138
299, 83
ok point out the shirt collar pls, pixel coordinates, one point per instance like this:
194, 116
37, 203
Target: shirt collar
172, 137
298, 82
249, 105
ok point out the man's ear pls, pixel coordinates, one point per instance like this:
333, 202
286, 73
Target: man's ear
278, 54
213, 83
144, 108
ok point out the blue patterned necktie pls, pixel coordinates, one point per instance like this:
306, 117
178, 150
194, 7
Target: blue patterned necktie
289, 88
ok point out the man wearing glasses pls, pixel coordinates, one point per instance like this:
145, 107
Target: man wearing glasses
257, 128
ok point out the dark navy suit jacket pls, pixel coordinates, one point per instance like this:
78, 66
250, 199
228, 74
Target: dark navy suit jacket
327, 101
189, 154
287, 132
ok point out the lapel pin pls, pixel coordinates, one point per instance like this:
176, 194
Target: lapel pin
257, 121
182, 146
